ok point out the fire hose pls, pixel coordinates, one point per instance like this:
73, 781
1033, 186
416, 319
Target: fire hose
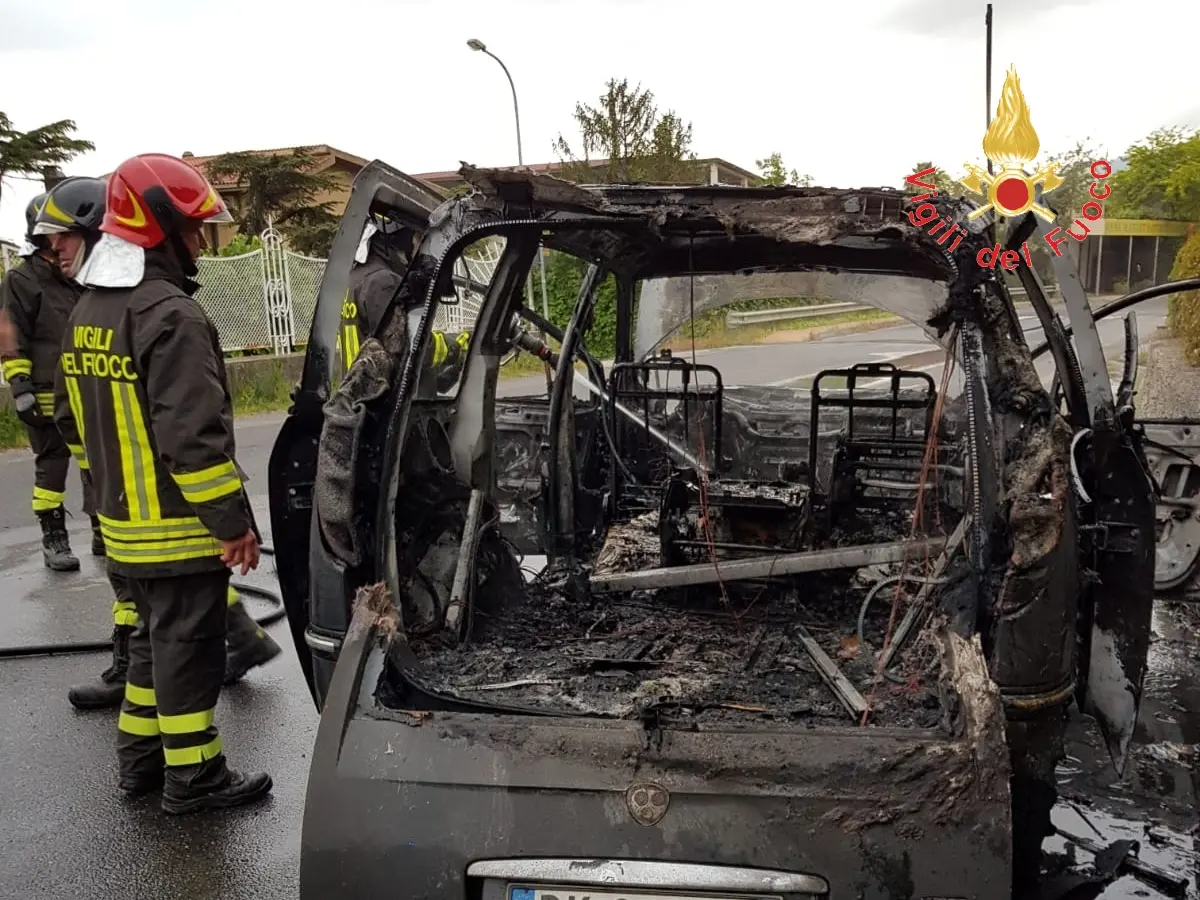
67, 648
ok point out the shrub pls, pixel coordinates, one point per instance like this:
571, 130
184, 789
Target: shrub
1183, 311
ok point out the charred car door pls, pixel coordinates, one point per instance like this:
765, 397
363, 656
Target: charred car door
1119, 468
378, 189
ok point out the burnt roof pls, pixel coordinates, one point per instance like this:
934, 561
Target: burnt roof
650, 231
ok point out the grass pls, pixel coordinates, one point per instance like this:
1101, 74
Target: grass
718, 334
12, 432
269, 391
713, 334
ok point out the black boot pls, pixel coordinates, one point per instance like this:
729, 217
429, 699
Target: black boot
139, 785
106, 691
212, 785
56, 546
97, 539
248, 645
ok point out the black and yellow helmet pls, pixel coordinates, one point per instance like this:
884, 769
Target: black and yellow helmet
31, 214
74, 204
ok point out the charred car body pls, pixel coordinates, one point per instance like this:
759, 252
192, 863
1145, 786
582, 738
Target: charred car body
786, 643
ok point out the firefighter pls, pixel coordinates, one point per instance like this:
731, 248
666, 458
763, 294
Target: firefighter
37, 300
143, 388
383, 256
70, 220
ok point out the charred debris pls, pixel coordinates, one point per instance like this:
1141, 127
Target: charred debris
864, 552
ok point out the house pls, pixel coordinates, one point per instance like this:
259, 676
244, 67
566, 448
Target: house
341, 165
708, 171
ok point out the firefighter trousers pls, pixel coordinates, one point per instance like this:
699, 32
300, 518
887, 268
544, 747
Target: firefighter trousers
51, 460
176, 667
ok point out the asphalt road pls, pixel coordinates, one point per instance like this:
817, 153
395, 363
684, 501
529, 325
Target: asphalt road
63, 829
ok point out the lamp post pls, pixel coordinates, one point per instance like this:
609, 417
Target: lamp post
480, 47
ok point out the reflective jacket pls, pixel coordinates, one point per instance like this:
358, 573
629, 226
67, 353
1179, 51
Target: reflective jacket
38, 301
373, 284
143, 397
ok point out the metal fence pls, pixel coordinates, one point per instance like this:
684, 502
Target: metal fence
265, 300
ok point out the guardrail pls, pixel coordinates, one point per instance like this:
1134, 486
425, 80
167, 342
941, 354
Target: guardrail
734, 319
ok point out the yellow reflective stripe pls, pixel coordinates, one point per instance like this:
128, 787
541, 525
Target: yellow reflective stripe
137, 458
140, 696
192, 756
79, 451
124, 613
140, 553
79, 454
152, 530
350, 344
146, 449
46, 403
44, 500
13, 368
220, 470
232, 598
136, 725
186, 723
440, 350
464, 339
209, 484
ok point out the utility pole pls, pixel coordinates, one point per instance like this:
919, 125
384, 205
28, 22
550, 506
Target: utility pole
987, 79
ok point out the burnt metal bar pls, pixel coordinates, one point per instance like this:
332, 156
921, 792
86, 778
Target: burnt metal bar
1168, 882
784, 564
847, 694
1092, 364
921, 601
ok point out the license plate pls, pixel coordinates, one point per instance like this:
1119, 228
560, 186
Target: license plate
576, 892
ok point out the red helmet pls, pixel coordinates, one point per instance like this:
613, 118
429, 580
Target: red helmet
154, 195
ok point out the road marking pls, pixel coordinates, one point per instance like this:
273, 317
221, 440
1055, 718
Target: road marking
785, 382
883, 382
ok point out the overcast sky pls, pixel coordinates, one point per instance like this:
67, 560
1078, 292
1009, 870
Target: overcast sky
852, 92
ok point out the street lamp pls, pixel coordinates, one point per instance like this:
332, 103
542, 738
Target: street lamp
480, 47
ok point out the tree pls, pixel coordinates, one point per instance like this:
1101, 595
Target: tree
28, 152
1074, 168
626, 129
947, 185
239, 245
1162, 180
280, 189
775, 173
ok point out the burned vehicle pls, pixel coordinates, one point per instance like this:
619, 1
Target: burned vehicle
791, 641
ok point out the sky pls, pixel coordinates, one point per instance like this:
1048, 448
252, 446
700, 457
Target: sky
852, 93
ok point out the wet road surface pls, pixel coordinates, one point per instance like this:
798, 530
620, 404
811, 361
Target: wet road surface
65, 832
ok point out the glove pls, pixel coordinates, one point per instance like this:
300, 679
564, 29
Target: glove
25, 401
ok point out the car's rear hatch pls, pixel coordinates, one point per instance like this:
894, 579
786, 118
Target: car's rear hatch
471, 804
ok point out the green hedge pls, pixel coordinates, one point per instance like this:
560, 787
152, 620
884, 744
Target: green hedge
1183, 310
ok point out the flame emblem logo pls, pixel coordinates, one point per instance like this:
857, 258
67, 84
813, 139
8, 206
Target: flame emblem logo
1011, 143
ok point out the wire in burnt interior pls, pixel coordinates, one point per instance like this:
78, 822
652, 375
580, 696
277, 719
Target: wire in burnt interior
927, 465
608, 435
702, 452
